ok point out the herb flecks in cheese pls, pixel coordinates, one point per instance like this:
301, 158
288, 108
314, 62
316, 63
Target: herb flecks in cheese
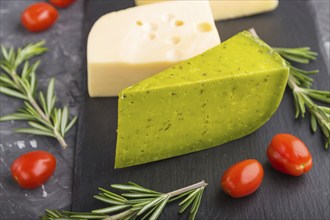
216, 97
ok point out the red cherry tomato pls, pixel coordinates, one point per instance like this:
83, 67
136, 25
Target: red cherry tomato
62, 3
288, 154
33, 169
39, 17
243, 178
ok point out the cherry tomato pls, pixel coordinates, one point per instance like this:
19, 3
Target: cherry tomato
62, 3
33, 169
288, 154
39, 17
243, 178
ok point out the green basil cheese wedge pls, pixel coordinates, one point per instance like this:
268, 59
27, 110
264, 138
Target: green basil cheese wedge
221, 95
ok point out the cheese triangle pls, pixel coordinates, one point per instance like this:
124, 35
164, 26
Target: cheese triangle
221, 95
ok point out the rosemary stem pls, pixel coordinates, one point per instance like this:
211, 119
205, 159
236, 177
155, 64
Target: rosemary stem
16, 79
60, 140
186, 189
38, 109
291, 83
30, 98
121, 215
35, 105
59, 137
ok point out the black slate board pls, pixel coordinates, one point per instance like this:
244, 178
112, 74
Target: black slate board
280, 196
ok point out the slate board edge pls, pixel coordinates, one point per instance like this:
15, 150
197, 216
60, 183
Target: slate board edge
84, 95
77, 170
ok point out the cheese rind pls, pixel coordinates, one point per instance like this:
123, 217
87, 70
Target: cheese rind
216, 97
130, 45
228, 9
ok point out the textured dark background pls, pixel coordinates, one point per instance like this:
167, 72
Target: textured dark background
64, 62
305, 22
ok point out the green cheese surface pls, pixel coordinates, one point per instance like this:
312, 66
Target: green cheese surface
216, 97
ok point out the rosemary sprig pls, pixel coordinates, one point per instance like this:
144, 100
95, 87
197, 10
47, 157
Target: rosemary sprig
299, 55
42, 115
137, 203
300, 82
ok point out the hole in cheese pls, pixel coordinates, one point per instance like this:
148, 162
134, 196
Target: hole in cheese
150, 26
167, 17
173, 40
204, 27
178, 23
150, 36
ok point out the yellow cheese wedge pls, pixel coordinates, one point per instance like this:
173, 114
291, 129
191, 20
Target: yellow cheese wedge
130, 45
228, 9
